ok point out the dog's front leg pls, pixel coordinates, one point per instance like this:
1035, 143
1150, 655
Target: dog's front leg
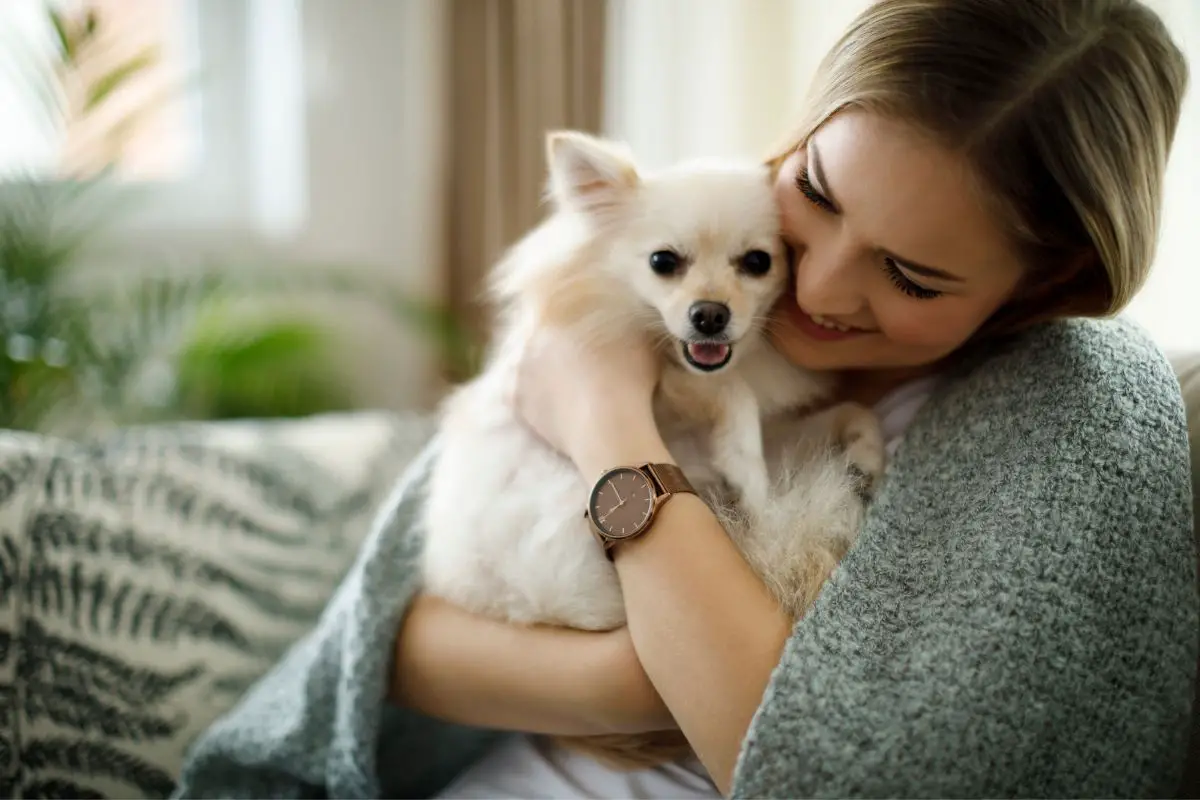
737, 446
857, 432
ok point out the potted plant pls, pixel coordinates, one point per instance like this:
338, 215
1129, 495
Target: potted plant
163, 345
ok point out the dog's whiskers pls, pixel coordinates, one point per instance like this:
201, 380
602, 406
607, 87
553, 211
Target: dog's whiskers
774, 325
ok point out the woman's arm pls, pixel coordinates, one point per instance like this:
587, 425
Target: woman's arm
706, 629
476, 671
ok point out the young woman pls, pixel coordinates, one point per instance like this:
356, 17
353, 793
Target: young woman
1019, 616
966, 168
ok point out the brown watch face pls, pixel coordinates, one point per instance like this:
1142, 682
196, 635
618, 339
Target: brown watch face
621, 503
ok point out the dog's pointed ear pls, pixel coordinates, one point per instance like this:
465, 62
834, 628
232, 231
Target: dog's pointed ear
587, 173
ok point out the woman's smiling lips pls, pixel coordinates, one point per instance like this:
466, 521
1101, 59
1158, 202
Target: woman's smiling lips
821, 328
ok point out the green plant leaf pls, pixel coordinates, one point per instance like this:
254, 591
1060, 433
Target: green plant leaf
63, 38
81, 351
109, 331
109, 82
284, 368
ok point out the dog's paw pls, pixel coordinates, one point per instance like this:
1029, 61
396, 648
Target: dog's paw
753, 487
860, 436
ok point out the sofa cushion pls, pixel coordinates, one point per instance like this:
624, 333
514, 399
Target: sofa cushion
1187, 367
147, 578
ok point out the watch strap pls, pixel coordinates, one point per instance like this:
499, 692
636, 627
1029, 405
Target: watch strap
668, 479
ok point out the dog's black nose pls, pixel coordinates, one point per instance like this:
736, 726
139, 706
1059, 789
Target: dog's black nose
709, 318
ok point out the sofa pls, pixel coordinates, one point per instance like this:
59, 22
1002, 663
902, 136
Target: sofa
150, 575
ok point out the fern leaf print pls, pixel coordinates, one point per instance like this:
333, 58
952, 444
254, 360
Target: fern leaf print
150, 577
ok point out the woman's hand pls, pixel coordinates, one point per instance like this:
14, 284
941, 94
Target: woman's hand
591, 402
472, 670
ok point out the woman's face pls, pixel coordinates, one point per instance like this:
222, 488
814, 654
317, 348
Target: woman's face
896, 262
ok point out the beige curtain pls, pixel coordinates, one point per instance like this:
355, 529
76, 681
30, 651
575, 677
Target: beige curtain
518, 68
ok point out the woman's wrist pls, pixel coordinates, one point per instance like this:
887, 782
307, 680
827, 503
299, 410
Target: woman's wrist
621, 451
622, 438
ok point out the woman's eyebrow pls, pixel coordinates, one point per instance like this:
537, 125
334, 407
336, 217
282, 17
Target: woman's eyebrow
818, 175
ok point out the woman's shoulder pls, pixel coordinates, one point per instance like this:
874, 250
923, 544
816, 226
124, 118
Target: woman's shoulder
1021, 602
1067, 446
1077, 362
1073, 386
1070, 439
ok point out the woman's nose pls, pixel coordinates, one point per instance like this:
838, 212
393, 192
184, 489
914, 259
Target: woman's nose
826, 284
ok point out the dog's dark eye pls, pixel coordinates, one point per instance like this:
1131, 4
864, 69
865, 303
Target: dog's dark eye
665, 262
756, 262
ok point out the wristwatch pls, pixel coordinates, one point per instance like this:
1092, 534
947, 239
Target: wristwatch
625, 500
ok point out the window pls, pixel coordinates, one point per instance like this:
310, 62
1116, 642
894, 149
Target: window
218, 143
26, 137
105, 86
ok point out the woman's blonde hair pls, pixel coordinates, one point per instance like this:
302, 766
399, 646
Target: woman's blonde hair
1066, 109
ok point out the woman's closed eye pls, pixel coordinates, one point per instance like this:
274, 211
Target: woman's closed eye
805, 185
897, 276
907, 284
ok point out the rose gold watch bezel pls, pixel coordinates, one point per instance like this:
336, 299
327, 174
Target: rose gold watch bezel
666, 480
609, 536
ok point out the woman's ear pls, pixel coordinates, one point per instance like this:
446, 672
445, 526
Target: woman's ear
589, 174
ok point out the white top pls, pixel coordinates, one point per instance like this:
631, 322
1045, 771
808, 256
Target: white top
532, 767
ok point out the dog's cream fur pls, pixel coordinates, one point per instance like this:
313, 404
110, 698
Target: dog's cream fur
505, 532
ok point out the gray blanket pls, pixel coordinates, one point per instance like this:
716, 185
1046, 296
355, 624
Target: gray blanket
1018, 618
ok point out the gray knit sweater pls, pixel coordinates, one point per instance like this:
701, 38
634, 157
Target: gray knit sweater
1018, 618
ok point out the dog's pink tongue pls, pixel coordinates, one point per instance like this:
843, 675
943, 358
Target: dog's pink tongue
708, 353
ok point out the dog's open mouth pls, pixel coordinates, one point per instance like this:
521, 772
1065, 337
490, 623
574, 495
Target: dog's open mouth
707, 356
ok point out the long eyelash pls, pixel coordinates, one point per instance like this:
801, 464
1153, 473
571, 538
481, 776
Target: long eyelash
905, 284
804, 184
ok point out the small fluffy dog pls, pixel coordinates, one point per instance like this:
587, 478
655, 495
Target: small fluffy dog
690, 256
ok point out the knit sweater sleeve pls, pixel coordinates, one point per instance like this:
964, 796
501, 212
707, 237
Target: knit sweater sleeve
1019, 616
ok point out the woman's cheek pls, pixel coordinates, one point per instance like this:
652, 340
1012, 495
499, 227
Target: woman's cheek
798, 219
924, 323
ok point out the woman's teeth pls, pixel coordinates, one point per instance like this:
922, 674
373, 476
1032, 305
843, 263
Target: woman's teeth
830, 324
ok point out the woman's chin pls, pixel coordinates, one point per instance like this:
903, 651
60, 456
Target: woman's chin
821, 356
865, 354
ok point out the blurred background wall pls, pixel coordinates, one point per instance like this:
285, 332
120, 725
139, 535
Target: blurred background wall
301, 195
